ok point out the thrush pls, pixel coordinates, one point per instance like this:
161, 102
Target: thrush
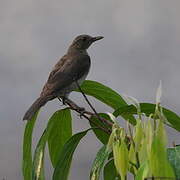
69, 72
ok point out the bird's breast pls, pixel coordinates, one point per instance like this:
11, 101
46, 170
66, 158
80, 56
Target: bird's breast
74, 86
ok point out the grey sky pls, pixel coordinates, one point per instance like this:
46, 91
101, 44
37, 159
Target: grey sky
141, 47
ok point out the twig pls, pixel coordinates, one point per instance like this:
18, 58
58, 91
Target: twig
83, 113
95, 112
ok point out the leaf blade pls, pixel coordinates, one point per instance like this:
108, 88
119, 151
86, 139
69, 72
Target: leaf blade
51, 130
98, 163
60, 132
64, 161
174, 159
110, 172
102, 93
101, 135
27, 148
38, 161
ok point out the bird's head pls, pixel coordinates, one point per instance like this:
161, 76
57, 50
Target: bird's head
82, 42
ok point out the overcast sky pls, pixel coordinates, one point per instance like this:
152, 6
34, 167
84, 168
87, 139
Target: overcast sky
141, 47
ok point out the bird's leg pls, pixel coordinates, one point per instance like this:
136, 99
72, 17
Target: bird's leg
73, 105
62, 101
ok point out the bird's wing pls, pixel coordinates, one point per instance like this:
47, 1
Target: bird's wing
67, 70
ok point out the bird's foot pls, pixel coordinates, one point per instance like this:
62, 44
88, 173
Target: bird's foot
62, 100
81, 111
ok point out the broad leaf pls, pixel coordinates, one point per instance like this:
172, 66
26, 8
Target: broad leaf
148, 109
65, 157
27, 148
110, 172
106, 95
102, 93
174, 159
60, 132
98, 163
52, 134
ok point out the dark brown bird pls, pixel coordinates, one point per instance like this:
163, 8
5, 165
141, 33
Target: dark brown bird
71, 69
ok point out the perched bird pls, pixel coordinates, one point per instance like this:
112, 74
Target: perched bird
71, 69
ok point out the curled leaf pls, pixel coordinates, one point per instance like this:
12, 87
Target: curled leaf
159, 93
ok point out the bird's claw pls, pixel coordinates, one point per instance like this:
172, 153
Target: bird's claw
81, 111
63, 100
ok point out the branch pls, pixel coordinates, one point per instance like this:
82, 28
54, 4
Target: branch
83, 113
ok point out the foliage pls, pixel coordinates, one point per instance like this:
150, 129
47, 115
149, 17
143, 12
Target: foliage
141, 149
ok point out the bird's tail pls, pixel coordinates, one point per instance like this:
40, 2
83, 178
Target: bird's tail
41, 101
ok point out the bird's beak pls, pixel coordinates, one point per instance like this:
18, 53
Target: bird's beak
97, 38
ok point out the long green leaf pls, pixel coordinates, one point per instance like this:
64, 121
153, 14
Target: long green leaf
102, 93
50, 133
65, 157
38, 161
60, 132
27, 148
98, 163
148, 108
110, 172
174, 159
105, 95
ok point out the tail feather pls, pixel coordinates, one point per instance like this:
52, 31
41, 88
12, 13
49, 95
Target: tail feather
41, 101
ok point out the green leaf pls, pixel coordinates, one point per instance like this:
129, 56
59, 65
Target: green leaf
60, 132
110, 172
38, 162
158, 162
98, 163
102, 93
174, 159
65, 157
105, 95
27, 149
139, 134
148, 109
132, 159
101, 135
51, 133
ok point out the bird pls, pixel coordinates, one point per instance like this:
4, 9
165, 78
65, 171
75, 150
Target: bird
67, 74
